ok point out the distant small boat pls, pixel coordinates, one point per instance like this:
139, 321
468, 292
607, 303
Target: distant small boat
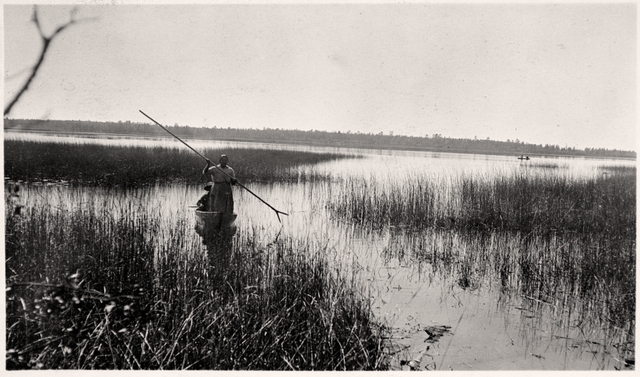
212, 223
523, 158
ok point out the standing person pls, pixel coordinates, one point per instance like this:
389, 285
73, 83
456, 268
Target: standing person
222, 176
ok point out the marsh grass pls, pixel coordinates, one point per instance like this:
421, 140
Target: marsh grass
104, 165
567, 242
97, 285
416, 203
541, 165
581, 288
540, 204
551, 204
618, 169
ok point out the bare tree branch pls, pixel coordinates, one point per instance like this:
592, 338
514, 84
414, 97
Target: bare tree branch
46, 41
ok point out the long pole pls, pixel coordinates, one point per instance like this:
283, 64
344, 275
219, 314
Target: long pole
224, 172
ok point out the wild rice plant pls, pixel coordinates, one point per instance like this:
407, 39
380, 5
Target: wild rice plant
618, 169
551, 203
544, 165
568, 242
412, 204
527, 203
134, 166
583, 286
98, 284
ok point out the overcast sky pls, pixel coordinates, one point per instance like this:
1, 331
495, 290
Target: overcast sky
561, 73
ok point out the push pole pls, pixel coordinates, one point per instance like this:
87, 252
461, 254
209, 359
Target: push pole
223, 172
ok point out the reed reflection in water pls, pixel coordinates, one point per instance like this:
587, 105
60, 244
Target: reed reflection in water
502, 291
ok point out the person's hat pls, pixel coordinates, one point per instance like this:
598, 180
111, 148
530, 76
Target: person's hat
208, 185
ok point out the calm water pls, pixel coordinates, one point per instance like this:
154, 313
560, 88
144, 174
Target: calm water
490, 329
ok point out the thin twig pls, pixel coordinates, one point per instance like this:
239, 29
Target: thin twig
46, 41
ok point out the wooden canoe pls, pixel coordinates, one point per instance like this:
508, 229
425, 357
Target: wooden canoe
210, 223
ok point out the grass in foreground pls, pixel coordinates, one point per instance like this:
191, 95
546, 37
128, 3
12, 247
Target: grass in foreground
88, 288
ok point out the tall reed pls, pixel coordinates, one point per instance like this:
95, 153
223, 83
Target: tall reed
546, 236
134, 166
543, 204
580, 286
98, 284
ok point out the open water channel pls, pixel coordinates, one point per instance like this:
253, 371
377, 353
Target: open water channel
487, 328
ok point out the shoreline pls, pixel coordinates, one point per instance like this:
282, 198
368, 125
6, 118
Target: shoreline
319, 144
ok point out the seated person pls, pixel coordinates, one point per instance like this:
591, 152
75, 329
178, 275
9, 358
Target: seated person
203, 202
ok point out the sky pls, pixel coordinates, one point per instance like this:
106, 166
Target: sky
559, 73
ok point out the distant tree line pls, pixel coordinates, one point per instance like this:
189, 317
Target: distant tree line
435, 142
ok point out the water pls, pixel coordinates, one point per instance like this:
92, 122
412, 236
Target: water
490, 328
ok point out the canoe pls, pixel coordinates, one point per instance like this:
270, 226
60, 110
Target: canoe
211, 223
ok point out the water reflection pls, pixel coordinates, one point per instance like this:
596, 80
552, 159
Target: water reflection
434, 277
217, 231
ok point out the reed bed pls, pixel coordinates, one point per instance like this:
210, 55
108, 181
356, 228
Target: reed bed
541, 165
551, 204
550, 238
540, 204
34, 161
97, 285
592, 277
415, 203
618, 169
